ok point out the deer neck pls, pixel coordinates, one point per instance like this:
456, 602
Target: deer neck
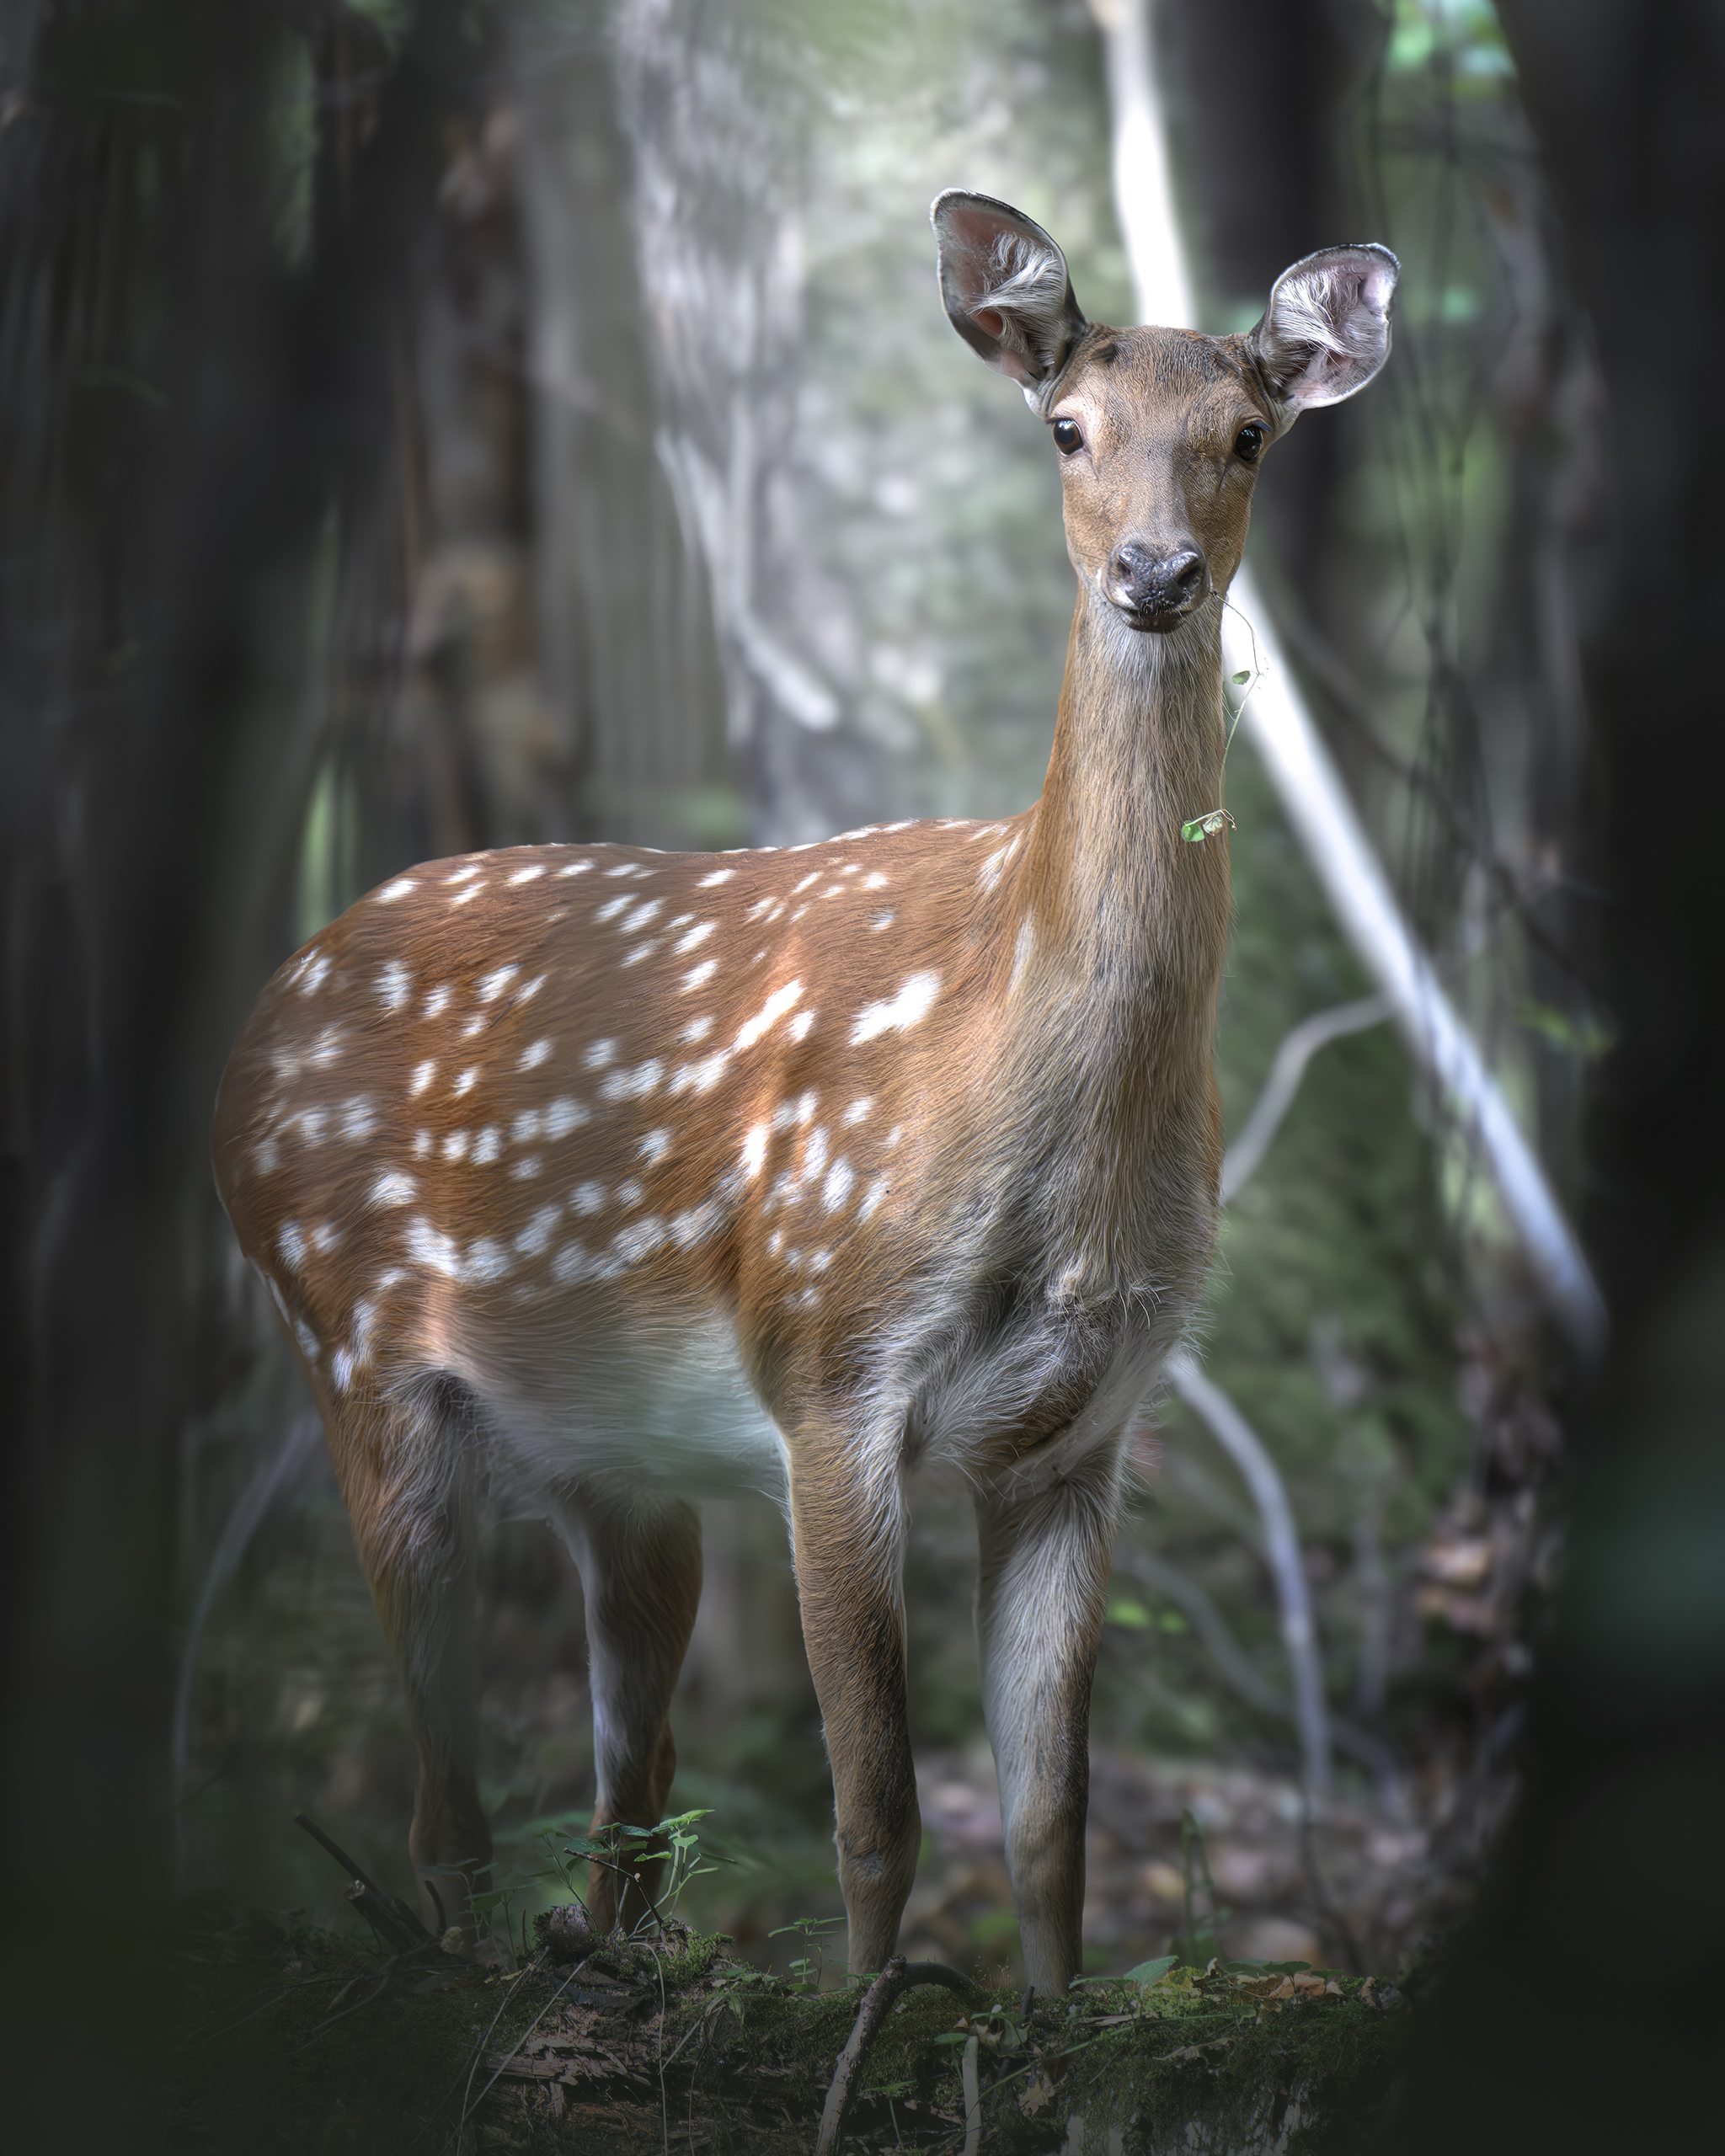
1128, 917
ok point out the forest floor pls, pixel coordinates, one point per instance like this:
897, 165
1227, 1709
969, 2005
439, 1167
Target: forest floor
298, 2040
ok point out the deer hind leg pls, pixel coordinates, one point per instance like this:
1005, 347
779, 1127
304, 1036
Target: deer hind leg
407, 1468
1041, 1592
849, 1541
640, 1567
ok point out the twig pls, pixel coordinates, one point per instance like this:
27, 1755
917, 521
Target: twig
394, 1923
898, 1976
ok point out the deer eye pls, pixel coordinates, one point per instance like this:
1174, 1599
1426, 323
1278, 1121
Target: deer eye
1067, 438
1248, 442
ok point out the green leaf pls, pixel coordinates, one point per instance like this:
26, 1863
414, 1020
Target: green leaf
1194, 832
1152, 1972
1131, 1616
483, 1902
953, 2036
1244, 675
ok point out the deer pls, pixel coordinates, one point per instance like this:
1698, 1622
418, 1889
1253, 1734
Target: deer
590, 1180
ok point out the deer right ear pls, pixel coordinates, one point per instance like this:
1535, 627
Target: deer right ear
1005, 288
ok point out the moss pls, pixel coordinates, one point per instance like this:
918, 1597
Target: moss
298, 2040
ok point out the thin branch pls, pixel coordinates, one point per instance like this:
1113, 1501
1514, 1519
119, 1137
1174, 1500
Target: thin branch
1273, 1103
1243, 1445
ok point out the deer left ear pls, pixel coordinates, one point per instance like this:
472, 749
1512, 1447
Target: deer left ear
1325, 332
1005, 288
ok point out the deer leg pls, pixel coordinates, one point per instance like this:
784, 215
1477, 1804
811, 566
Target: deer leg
849, 1545
404, 1472
640, 1567
1041, 1592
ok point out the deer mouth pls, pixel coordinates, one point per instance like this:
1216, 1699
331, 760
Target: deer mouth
1155, 620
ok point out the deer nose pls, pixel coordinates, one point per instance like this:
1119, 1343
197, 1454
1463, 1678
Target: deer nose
1164, 585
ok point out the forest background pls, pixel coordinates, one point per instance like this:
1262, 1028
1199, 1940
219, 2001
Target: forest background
369, 368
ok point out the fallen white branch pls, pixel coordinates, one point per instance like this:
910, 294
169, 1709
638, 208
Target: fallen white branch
1300, 767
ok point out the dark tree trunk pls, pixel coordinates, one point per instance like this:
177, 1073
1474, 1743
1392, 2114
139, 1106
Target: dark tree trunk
1582, 2014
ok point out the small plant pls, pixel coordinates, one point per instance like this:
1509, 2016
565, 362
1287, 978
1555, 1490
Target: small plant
1197, 1946
625, 1851
815, 1929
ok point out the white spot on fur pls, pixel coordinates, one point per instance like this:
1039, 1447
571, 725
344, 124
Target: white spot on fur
316, 972
424, 1072
696, 1225
308, 1339
358, 1121
532, 1057
455, 1146
754, 1151
430, 1247
491, 986
326, 1236
394, 985
488, 1146
872, 1198
291, 1243
565, 1115
876, 882
719, 876
536, 1235
640, 951
630, 1194
527, 994
393, 1189
422, 1143
697, 1029
599, 1055
461, 897
633, 1085
698, 976
465, 875
882, 920
588, 1198
639, 1240
700, 1077
1023, 951
574, 868
398, 890
570, 1264
894, 1135
466, 1082
486, 1261
526, 875
640, 915
840, 1179
802, 1025
912, 1004
858, 1111
439, 1001
694, 938
525, 1168
770, 1013
654, 1147
528, 1125
266, 1158
798, 889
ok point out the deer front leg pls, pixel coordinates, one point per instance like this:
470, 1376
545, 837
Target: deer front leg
1041, 1592
849, 1545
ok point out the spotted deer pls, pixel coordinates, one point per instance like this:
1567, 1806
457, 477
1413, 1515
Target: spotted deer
587, 1179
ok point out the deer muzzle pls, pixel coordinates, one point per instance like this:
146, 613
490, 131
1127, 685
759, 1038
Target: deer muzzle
1156, 590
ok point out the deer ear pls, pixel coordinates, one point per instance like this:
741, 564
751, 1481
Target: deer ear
1326, 331
1005, 288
